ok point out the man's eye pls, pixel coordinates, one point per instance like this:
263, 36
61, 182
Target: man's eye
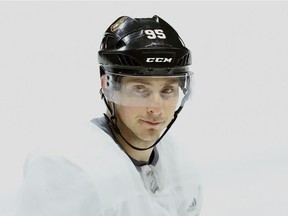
139, 89
168, 90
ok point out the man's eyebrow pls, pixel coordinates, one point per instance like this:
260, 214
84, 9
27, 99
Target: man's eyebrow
173, 80
137, 80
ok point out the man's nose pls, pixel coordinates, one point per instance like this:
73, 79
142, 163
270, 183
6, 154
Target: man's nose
155, 105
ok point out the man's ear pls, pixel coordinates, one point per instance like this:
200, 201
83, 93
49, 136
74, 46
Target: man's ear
102, 78
104, 86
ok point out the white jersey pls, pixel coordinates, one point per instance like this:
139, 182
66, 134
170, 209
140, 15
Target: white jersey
97, 178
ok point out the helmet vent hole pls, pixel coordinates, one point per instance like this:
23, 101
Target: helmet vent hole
185, 60
126, 60
120, 44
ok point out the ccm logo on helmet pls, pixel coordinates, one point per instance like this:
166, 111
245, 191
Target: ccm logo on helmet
163, 60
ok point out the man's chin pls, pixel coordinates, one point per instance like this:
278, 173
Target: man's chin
150, 136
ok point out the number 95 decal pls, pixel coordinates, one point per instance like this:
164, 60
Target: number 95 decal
155, 33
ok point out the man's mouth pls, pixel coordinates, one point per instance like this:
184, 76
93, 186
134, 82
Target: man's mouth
151, 122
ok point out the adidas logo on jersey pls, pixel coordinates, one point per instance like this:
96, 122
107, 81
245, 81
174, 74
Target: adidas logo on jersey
192, 206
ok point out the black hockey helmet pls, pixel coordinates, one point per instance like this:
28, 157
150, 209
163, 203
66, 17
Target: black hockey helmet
143, 46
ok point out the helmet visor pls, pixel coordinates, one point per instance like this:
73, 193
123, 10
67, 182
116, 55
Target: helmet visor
147, 91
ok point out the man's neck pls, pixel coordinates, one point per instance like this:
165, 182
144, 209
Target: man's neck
135, 154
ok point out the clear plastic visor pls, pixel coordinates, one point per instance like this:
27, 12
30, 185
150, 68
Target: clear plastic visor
147, 91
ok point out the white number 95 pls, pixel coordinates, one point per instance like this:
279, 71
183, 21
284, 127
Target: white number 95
156, 33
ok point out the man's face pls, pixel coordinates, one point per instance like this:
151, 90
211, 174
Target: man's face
146, 106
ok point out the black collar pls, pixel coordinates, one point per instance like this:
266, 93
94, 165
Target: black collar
154, 157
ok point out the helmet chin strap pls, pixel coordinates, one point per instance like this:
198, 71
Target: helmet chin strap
112, 120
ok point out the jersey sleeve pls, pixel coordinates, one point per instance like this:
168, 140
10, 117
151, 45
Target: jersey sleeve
54, 186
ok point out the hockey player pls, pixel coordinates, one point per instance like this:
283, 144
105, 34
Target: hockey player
129, 166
